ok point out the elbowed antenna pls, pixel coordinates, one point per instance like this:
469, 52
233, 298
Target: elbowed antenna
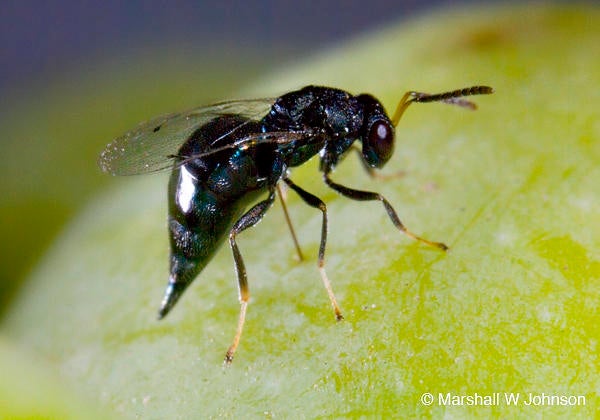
451, 97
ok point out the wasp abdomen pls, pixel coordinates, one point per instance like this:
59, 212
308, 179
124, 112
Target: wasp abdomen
206, 197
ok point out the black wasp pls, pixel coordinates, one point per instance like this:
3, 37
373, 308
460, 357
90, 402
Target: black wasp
224, 157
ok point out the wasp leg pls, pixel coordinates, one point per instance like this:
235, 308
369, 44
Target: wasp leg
317, 203
371, 196
289, 222
250, 218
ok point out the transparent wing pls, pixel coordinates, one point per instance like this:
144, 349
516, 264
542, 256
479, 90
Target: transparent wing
253, 139
151, 146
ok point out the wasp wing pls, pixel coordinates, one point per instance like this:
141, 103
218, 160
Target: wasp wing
254, 139
152, 146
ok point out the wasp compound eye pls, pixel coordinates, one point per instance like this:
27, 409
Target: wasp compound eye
378, 145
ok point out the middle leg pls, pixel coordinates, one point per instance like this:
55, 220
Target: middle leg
317, 203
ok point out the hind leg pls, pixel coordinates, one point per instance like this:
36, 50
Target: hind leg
250, 218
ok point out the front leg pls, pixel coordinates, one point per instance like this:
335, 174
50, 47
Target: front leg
371, 196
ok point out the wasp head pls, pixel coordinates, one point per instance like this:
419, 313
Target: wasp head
377, 132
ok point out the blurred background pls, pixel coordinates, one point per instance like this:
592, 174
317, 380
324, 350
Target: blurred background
76, 74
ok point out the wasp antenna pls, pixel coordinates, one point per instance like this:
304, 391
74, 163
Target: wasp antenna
451, 97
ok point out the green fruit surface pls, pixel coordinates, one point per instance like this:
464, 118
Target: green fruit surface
513, 188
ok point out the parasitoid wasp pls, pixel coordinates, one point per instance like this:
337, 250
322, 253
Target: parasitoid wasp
225, 157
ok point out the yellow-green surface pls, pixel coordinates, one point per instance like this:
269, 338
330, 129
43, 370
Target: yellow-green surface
28, 389
514, 307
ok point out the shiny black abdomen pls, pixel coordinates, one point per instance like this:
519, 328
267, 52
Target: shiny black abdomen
209, 194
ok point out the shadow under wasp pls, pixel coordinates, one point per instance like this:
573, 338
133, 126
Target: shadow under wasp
224, 157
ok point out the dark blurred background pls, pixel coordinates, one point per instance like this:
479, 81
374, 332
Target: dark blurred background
39, 40
75, 74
